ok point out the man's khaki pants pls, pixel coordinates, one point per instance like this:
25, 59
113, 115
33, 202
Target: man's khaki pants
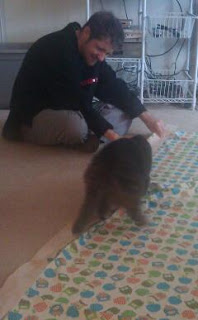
67, 127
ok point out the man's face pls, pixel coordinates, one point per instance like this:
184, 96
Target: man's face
95, 50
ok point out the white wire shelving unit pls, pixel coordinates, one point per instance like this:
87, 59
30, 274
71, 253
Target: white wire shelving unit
166, 87
127, 68
170, 86
162, 86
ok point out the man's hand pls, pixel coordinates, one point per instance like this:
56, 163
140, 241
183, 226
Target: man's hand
154, 125
111, 135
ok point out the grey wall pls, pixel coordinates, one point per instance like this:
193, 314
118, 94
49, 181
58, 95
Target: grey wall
27, 20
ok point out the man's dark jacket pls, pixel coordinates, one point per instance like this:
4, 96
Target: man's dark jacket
53, 75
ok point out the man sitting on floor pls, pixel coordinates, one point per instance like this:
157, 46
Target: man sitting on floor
52, 96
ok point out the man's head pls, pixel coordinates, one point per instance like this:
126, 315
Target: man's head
99, 36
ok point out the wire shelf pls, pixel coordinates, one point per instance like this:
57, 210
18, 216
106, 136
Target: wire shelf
127, 69
123, 60
165, 88
171, 25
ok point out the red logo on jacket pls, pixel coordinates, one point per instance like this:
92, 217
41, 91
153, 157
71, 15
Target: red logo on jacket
88, 81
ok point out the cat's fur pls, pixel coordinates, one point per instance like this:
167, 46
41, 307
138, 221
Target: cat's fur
118, 175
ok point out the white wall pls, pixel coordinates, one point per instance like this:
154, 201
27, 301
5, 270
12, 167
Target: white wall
27, 20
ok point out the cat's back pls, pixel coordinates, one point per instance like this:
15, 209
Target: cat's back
125, 154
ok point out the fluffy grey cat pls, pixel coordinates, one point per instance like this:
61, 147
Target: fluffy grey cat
117, 176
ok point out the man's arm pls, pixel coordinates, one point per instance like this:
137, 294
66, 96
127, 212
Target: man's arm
153, 124
115, 91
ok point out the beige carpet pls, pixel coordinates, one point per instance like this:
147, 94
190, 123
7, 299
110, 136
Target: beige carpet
40, 192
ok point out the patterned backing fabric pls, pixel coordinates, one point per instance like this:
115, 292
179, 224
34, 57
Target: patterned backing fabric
118, 270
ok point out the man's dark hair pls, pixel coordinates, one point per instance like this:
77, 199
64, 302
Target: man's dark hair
104, 24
